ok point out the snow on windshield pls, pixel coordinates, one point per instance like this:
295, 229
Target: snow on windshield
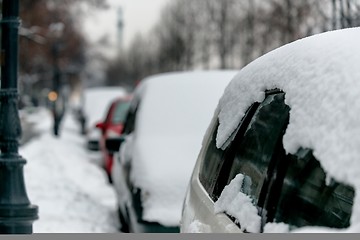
175, 110
320, 76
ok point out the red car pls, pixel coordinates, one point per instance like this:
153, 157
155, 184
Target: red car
112, 127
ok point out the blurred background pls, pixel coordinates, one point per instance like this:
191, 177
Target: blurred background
71, 45
72, 53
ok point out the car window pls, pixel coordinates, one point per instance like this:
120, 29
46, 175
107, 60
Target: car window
129, 126
120, 112
108, 113
285, 188
307, 199
213, 160
255, 148
215, 157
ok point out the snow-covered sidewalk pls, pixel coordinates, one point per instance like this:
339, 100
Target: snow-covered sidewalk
72, 193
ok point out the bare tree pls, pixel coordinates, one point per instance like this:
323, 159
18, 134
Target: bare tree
195, 34
177, 34
50, 38
225, 26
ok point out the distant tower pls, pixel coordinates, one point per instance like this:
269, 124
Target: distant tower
120, 27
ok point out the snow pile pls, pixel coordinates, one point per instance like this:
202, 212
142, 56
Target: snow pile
72, 194
41, 119
198, 227
320, 76
239, 205
276, 228
175, 110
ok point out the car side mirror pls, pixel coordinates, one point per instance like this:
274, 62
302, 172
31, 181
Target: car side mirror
100, 125
113, 144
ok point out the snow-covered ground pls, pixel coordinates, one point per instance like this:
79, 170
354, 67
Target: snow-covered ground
62, 178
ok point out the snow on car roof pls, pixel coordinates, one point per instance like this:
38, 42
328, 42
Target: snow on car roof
96, 101
174, 113
320, 76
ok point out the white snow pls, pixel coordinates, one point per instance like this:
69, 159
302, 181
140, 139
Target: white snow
239, 205
320, 76
72, 193
276, 228
174, 113
96, 102
40, 118
198, 227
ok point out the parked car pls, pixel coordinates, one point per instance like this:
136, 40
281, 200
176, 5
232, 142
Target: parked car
94, 104
111, 127
166, 122
282, 152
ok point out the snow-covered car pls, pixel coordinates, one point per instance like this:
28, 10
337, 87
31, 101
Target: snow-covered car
94, 104
282, 152
165, 125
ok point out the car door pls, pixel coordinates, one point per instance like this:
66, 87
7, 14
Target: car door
121, 169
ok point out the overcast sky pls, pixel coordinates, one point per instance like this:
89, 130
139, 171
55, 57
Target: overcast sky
139, 16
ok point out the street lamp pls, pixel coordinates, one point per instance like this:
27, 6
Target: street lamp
17, 214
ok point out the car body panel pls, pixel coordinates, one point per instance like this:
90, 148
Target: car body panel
198, 211
110, 128
162, 156
319, 77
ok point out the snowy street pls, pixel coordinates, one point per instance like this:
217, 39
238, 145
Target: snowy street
176, 116
62, 178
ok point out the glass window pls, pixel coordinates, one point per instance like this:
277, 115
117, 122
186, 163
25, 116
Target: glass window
214, 157
213, 160
129, 125
306, 199
285, 188
120, 112
254, 150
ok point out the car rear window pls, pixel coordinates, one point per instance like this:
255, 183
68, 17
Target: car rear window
291, 189
256, 148
308, 199
120, 112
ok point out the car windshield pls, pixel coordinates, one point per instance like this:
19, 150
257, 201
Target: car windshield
120, 112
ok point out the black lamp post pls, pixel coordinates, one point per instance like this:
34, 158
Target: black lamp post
16, 212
